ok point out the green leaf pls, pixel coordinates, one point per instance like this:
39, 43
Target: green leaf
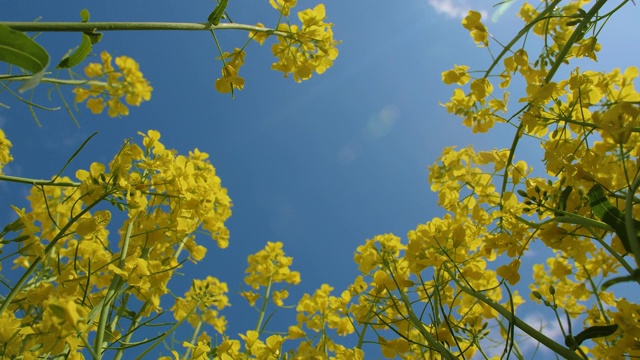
76, 56
18, 49
635, 276
562, 201
95, 37
610, 214
595, 332
84, 15
216, 15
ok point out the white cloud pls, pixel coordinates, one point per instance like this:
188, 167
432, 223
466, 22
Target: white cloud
456, 9
548, 326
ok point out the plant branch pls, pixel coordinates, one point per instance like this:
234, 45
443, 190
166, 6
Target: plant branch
120, 26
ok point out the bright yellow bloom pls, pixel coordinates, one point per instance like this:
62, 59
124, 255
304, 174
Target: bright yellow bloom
258, 36
457, 75
283, 6
5, 146
230, 79
107, 86
510, 272
478, 31
309, 48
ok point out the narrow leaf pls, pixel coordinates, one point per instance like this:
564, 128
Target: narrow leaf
216, 15
79, 54
609, 214
595, 332
84, 15
620, 279
19, 49
562, 202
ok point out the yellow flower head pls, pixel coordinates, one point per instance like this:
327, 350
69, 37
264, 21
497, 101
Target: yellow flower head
5, 146
106, 86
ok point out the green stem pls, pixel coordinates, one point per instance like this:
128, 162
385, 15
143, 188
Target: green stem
417, 323
562, 54
164, 336
194, 339
135, 321
630, 221
54, 80
573, 219
111, 294
537, 335
263, 310
47, 250
120, 26
524, 31
37, 182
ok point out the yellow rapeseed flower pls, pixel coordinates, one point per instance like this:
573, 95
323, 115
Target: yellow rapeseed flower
5, 146
107, 86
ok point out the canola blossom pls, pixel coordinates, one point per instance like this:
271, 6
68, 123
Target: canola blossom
109, 86
455, 284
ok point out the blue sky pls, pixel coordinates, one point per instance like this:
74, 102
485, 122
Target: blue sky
321, 166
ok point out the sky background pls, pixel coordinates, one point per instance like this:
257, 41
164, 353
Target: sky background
321, 166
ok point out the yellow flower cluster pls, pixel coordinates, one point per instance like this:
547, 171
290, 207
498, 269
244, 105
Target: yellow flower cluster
303, 50
267, 268
308, 48
587, 125
230, 79
107, 86
196, 306
166, 198
560, 28
5, 147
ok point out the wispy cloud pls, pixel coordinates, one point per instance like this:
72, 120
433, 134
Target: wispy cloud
455, 9
548, 326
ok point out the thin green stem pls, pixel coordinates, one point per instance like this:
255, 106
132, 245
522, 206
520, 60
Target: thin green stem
540, 337
124, 26
111, 294
133, 326
194, 338
417, 323
263, 310
172, 329
54, 80
47, 250
37, 182
523, 31
562, 54
630, 221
